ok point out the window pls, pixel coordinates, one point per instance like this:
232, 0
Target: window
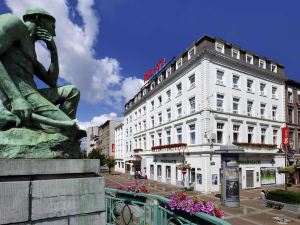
235, 53
152, 85
168, 72
179, 134
235, 105
152, 140
298, 99
250, 134
220, 47
159, 170
262, 110
168, 93
192, 81
144, 124
145, 142
290, 97
199, 178
144, 91
159, 80
192, 134
152, 121
299, 118
220, 127
168, 172
263, 136
220, 101
159, 100
292, 136
262, 89
235, 81
262, 63
130, 118
274, 92
220, 77
130, 131
298, 138
179, 89
179, 110
192, 175
249, 108
179, 63
191, 53
192, 105
160, 118
236, 132
159, 139
152, 170
275, 134
168, 114
249, 58
274, 68
152, 105
249, 85
140, 126
168, 135
290, 115
274, 112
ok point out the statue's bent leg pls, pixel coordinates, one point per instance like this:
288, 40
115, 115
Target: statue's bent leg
67, 97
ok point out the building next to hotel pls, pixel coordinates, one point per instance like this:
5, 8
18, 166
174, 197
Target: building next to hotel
214, 96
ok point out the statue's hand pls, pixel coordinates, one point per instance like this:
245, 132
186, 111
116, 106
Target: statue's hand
21, 108
45, 36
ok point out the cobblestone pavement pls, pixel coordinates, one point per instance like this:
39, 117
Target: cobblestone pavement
251, 210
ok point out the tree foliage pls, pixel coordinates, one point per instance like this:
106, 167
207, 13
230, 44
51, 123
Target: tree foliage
96, 154
110, 162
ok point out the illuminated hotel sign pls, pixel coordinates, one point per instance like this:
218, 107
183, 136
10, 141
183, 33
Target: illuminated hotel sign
156, 69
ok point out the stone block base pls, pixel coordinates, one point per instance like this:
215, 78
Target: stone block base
64, 194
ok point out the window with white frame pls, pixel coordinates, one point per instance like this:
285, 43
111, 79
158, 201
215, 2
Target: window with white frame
250, 134
249, 58
235, 105
298, 98
192, 81
192, 175
192, 105
263, 135
179, 63
220, 133
236, 132
179, 110
159, 80
168, 135
290, 97
249, 85
290, 114
275, 134
152, 140
160, 118
191, 53
159, 170
262, 110
292, 136
220, 77
192, 134
152, 170
168, 94
168, 72
235, 53
179, 134
159, 138
145, 142
235, 81
152, 121
274, 68
144, 91
140, 126
168, 172
159, 100
144, 124
262, 89
220, 47
274, 112
179, 89
274, 92
220, 102
152, 105
262, 63
130, 131
168, 114
152, 85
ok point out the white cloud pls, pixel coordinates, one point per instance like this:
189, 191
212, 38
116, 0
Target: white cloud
98, 120
100, 80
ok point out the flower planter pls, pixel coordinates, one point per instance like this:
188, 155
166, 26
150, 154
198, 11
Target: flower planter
131, 196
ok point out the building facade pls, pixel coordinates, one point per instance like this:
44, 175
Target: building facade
214, 96
119, 151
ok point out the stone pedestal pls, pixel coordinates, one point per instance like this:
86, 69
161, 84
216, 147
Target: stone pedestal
51, 192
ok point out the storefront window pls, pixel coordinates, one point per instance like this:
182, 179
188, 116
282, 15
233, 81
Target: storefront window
199, 178
152, 169
159, 170
168, 172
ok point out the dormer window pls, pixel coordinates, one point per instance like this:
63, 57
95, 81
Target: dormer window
168, 72
191, 53
262, 63
249, 58
274, 68
152, 85
159, 79
235, 53
144, 91
220, 47
179, 63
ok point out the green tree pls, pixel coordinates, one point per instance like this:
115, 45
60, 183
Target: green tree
110, 162
96, 154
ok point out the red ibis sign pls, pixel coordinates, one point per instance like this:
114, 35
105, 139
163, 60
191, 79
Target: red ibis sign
156, 69
113, 147
285, 132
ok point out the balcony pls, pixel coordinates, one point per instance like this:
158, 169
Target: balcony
137, 150
254, 145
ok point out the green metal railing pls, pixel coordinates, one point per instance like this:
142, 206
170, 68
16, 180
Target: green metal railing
124, 208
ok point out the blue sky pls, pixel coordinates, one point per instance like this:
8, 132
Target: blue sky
124, 38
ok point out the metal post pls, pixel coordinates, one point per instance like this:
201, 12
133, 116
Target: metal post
285, 163
156, 216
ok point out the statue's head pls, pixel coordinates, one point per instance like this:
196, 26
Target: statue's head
41, 18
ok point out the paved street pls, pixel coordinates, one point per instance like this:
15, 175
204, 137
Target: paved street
250, 212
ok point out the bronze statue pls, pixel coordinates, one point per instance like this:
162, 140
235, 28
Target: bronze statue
48, 111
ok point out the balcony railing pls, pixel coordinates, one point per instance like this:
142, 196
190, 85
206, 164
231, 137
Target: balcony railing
169, 146
257, 145
140, 209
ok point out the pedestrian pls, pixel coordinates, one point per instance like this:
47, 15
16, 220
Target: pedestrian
263, 195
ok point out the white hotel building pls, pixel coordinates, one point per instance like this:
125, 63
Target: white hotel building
215, 96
